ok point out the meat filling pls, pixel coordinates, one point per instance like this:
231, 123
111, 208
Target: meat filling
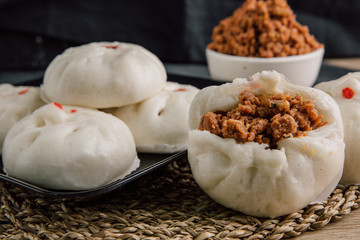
264, 119
263, 28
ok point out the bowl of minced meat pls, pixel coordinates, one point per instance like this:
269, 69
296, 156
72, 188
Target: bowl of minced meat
264, 35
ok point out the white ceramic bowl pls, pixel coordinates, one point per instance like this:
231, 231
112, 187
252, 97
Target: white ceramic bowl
300, 69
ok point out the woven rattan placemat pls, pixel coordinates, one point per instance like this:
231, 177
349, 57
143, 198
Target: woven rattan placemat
166, 204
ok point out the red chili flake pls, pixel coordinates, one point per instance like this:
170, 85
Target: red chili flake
180, 90
73, 110
348, 93
24, 91
58, 105
112, 47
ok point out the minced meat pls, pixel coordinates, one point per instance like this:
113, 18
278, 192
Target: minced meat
263, 28
264, 119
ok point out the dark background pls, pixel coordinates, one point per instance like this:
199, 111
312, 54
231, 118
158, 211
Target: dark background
32, 33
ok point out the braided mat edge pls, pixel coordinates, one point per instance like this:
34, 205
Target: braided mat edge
165, 204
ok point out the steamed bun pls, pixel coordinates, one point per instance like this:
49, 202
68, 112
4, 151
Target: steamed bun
16, 102
346, 92
103, 75
69, 148
160, 123
251, 177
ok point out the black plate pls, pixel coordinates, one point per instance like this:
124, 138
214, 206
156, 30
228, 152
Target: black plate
149, 162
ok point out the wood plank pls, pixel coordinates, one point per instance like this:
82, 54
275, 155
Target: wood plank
347, 228
350, 63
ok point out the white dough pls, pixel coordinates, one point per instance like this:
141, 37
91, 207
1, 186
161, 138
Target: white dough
160, 123
266, 182
69, 148
350, 110
16, 102
103, 75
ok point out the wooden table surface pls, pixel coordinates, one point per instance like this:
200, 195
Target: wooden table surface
348, 228
350, 63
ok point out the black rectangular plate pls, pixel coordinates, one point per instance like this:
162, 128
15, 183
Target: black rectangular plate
148, 162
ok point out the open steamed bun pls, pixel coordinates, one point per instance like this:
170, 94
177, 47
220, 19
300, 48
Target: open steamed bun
160, 123
103, 75
346, 92
253, 178
16, 102
69, 148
